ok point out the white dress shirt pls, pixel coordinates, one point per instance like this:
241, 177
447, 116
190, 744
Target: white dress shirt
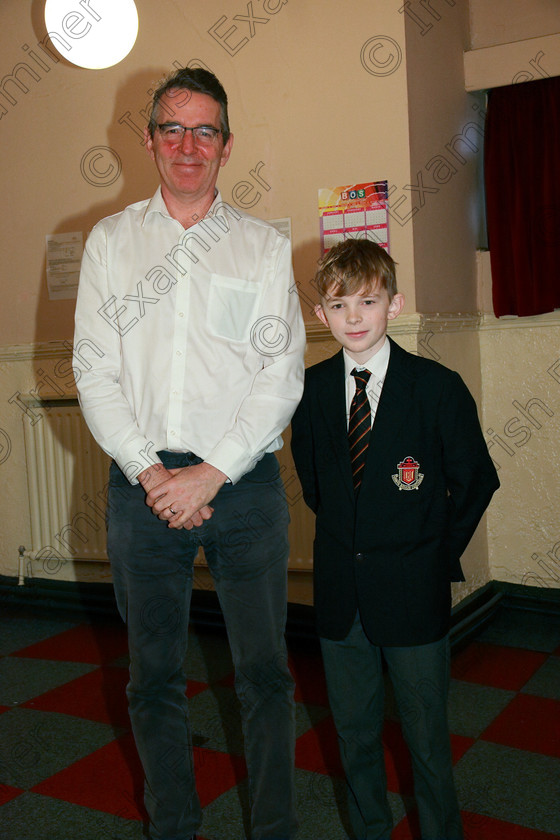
377, 366
187, 340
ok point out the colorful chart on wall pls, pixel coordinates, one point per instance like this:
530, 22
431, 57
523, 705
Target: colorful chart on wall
357, 211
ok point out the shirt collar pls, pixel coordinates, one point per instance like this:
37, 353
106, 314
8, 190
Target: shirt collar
376, 364
157, 205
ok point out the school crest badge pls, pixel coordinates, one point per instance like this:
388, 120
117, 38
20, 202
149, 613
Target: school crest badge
408, 477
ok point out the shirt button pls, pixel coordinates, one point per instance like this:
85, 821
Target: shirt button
181, 314
360, 556
178, 353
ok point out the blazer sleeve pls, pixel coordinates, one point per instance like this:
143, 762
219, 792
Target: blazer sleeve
302, 451
469, 471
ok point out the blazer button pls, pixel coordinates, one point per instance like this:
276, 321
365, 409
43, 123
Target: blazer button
360, 556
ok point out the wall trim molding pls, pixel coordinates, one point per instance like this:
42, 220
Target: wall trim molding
484, 321
468, 617
35, 351
450, 322
516, 322
508, 64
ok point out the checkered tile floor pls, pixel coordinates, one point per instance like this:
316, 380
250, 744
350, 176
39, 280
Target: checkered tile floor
69, 770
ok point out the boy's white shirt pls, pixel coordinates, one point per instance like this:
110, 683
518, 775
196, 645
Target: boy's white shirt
377, 366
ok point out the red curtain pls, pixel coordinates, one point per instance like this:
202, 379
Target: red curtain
522, 174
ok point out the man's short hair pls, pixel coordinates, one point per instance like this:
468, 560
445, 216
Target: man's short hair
195, 80
353, 266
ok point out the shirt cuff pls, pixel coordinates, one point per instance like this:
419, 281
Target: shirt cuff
135, 458
231, 459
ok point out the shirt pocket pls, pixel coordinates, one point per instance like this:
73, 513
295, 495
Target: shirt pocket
232, 306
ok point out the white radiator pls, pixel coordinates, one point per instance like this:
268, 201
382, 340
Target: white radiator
67, 475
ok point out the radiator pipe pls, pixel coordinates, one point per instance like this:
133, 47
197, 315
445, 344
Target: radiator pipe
21, 566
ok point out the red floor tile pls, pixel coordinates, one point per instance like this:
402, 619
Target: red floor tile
459, 746
496, 665
397, 759
194, 687
309, 675
479, 827
228, 681
99, 695
409, 828
109, 779
96, 645
398, 764
7, 793
216, 773
317, 750
528, 723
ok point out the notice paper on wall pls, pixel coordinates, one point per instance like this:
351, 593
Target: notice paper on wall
64, 257
357, 211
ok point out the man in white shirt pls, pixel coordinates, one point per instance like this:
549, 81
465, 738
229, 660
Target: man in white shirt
189, 364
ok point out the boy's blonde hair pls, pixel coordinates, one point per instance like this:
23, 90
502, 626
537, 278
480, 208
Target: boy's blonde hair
353, 266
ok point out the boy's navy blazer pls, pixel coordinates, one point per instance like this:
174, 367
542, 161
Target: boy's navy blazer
392, 550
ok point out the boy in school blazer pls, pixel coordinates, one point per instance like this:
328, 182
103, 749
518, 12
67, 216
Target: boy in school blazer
389, 539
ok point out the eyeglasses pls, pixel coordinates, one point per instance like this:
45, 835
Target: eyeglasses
174, 133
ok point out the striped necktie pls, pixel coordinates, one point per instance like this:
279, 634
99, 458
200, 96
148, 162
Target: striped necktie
359, 426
